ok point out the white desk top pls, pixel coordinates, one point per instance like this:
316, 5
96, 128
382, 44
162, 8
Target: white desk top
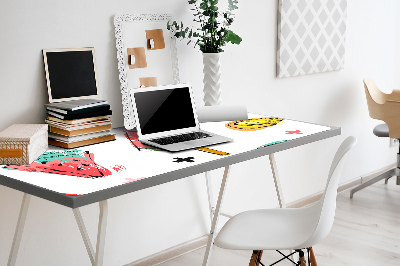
124, 162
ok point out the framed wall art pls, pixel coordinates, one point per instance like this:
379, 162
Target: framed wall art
311, 36
146, 53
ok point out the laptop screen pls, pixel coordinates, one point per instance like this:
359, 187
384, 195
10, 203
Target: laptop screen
164, 110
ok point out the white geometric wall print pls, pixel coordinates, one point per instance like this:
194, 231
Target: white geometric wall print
311, 36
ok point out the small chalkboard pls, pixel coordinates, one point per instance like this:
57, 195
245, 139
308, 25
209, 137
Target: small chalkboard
70, 74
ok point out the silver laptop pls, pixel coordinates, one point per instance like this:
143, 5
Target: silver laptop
166, 118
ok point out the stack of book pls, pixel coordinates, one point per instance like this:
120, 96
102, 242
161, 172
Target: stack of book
79, 123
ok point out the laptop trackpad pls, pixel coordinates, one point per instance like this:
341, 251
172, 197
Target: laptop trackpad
198, 143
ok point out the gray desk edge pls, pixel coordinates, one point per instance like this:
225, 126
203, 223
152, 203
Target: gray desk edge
82, 200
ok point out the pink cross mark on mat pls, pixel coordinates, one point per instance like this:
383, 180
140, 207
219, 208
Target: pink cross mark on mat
294, 132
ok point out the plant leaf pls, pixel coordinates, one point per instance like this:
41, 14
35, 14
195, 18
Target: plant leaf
233, 38
204, 5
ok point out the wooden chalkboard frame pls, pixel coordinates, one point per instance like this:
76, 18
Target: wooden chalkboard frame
51, 99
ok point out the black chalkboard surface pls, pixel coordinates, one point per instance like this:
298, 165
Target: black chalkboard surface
70, 73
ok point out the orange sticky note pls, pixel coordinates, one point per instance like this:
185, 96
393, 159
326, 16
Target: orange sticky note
155, 39
148, 82
139, 56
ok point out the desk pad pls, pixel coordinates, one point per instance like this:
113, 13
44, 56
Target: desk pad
101, 166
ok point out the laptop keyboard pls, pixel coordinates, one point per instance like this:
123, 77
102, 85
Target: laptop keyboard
180, 138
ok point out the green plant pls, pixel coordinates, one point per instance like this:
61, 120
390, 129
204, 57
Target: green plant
214, 31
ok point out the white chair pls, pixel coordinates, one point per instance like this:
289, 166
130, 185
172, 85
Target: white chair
287, 229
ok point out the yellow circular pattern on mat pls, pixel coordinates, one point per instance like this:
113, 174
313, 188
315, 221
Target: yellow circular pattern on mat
253, 124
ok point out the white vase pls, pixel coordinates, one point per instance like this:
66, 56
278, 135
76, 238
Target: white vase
212, 75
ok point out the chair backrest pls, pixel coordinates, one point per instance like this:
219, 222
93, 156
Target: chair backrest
327, 203
375, 99
379, 96
385, 107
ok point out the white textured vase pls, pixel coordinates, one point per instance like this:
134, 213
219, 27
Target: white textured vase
212, 75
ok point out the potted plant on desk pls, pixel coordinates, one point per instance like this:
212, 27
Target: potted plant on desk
212, 35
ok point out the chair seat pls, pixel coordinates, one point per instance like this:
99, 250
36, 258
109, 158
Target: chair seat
285, 229
269, 229
381, 130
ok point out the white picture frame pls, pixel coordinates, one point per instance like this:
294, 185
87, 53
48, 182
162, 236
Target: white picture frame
130, 32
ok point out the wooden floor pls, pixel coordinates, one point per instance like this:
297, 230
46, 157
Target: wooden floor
366, 232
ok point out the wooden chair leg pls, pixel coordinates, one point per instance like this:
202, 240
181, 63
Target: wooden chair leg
255, 258
302, 259
313, 260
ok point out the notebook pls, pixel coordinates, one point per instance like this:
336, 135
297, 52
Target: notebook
166, 118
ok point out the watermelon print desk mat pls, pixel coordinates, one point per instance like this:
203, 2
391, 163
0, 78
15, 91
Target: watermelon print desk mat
126, 161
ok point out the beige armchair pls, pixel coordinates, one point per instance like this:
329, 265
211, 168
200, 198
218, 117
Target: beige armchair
385, 107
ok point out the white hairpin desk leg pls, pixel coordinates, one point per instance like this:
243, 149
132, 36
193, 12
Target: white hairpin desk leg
215, 217
19, 229
95, 258
277, 182
210, 194
101, 233
85, 236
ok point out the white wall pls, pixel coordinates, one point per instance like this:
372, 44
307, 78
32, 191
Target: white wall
148, 221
